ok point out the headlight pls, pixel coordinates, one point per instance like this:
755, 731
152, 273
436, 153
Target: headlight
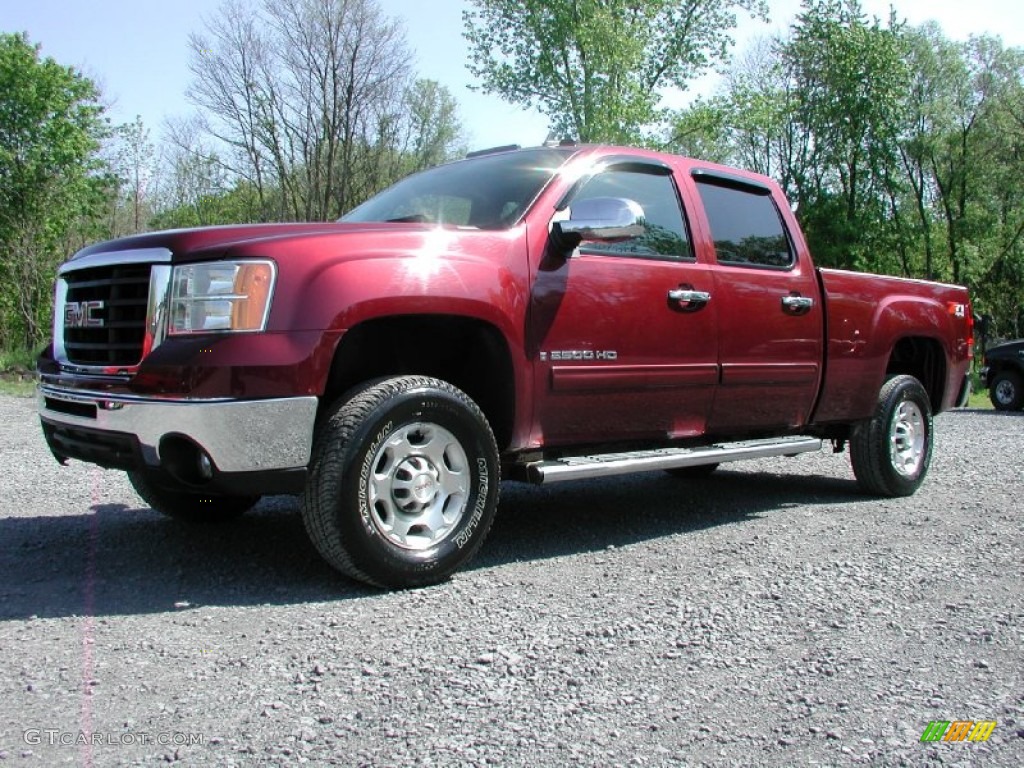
221, 296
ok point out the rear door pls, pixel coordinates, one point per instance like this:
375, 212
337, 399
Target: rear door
770, 317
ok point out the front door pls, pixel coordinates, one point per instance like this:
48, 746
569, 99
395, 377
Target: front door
623, 342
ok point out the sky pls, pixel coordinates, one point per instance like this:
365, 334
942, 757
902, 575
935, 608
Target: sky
137, 50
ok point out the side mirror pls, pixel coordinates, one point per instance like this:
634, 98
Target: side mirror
601, 219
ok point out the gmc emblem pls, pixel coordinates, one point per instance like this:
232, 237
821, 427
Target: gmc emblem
80, 314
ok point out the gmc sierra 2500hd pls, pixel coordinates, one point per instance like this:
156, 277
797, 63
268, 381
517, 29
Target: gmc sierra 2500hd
543, 315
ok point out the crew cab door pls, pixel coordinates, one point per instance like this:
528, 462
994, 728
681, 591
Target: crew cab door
623, 334
770, 314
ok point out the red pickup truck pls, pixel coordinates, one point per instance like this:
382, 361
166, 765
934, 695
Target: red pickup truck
540, 315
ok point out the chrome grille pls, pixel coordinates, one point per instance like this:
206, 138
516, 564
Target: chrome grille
124, 291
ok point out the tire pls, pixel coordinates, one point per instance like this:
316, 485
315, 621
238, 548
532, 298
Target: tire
188, 505
1006, 391
890, 452
692, 473
403, 485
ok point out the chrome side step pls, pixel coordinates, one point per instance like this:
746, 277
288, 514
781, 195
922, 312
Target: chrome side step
604, 465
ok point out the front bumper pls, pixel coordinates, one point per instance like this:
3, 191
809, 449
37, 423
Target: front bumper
240, 437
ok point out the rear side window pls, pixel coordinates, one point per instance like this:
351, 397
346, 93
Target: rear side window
745, 226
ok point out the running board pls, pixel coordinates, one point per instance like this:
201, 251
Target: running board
604, 465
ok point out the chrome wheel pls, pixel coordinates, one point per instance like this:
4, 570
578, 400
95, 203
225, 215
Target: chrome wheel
418, 486
907, 439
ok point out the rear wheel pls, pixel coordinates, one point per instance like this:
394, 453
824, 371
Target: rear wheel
188, 505
891, 451
1006, 391
403, 486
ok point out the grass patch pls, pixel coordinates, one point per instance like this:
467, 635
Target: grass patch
17, 388
979, 399
17, 359
16, 368
979, 395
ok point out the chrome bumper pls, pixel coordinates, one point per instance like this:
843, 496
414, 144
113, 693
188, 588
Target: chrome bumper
238, 435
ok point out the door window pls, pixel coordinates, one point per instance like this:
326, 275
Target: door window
665, 235
745, 226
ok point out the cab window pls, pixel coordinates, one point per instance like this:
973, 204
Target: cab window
745, 226
665, 236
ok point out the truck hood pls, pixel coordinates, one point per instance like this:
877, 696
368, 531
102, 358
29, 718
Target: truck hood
213, 242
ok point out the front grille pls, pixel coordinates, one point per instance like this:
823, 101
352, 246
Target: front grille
124, 291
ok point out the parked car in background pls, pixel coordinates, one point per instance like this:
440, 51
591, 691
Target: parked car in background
1003, 374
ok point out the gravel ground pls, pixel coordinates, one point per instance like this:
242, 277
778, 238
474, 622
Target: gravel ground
769, 615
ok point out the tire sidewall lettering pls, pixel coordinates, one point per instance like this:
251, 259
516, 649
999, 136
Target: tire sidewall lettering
483, 479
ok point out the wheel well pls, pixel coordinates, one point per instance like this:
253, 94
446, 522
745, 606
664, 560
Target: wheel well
923, 359
468, 353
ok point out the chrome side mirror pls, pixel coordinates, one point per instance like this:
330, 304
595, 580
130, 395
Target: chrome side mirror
601, 219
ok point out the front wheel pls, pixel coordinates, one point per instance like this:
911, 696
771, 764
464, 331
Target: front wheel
188, 505
890, 452
1006, 392
403, 485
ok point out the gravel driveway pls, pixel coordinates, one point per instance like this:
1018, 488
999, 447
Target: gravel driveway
769, 615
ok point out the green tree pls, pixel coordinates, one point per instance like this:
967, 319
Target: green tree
53, 184
131, 158
962, 155
903, 150
196, 187
988, 200
936, 64
753, 123
434, 130
705, 130
822, 112
849, 78
596, 67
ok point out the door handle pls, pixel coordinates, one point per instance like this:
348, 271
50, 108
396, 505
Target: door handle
797, 305
689, 298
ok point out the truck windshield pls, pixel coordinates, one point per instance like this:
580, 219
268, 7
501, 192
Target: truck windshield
487, 192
